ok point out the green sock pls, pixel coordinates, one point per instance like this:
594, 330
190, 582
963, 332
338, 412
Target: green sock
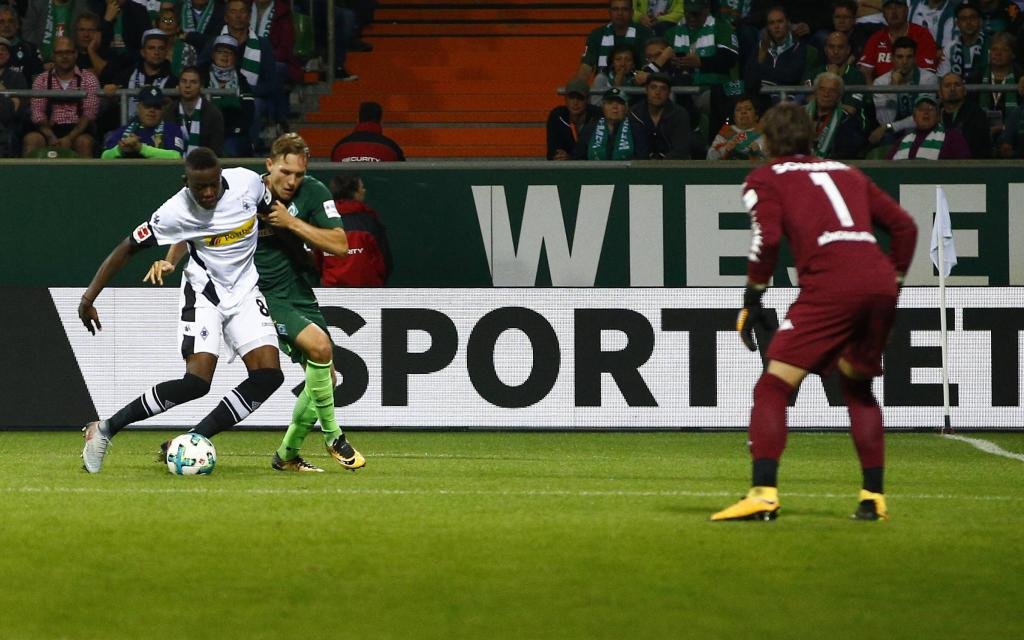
321, 391
303, 419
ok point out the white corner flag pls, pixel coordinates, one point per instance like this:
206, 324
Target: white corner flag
943, 251
943, 254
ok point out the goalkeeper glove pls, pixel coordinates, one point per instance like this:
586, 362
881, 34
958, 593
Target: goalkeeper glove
754, 315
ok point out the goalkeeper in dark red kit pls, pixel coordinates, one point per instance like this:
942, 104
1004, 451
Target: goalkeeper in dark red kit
841, 319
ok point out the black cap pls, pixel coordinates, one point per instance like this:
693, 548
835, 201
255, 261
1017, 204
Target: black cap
658, 77
151, 96
614, 94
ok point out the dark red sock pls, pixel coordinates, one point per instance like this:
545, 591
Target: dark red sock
767, 430
865, 422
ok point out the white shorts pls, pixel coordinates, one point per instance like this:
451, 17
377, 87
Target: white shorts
203, 327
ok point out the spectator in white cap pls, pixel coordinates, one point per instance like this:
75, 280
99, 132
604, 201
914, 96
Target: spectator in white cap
237, 109
255, 62
930, 140
152, 69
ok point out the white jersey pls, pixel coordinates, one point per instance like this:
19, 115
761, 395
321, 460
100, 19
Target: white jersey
221, 242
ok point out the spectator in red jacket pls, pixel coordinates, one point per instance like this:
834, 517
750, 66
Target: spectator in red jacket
368, 263
367, 143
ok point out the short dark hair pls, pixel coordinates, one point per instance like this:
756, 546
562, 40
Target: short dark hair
623, 48
200, 159
370, 112
192, 69
966, 5
787, 130
904, 42
849, 5
747, 97
345, 185
90, 16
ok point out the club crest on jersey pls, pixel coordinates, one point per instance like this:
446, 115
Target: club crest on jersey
233, 236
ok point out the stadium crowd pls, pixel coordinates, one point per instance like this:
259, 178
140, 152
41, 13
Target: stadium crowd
623, 104
256, 50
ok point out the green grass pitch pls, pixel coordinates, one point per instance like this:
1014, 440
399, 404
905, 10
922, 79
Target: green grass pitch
508, 535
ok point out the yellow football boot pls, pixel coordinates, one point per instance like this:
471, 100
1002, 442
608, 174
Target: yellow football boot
760, 503
871, 506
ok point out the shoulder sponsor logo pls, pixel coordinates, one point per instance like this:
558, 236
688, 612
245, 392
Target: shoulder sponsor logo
233, 236
142, 232
330, 209
292, 209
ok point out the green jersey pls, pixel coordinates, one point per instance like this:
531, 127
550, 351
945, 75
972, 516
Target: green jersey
280, 256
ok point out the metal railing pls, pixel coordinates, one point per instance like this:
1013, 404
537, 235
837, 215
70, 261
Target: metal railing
124, 95
785, 90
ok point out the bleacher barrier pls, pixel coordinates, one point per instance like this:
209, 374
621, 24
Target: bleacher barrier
123, 95
536, 295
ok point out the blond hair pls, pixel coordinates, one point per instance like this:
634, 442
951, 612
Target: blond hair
787, 130
289, 143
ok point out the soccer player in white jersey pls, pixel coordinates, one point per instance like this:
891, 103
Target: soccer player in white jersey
215, 213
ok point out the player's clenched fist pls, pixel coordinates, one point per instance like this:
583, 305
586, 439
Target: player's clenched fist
278, 216
753, 315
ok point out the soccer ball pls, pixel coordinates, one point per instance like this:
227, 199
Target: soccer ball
191, 454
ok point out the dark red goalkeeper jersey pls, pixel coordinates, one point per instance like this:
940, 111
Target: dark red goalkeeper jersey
827, 211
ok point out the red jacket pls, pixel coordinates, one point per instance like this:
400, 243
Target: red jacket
367, 143
368, 263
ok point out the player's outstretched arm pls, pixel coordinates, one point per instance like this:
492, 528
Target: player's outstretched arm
113, 263
165, 266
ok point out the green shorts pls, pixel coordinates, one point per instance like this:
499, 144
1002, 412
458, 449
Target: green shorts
294, 307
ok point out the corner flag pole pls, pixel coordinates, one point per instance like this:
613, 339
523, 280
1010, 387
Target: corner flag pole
943, 254
946, 426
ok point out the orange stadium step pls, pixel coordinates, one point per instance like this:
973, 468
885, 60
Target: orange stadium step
488, 13
434, 64
444, 102
432, 45
439, 142
483, 28
569, 5
347, 118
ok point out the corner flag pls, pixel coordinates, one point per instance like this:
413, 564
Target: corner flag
944, 256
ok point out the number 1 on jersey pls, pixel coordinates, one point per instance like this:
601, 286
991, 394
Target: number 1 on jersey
824, 180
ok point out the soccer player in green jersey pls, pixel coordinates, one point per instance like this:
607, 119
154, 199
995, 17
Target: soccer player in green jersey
303, 215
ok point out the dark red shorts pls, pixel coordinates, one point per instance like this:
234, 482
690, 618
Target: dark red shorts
816, 332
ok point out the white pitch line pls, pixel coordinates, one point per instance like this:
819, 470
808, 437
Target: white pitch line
474, 492
986, 446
